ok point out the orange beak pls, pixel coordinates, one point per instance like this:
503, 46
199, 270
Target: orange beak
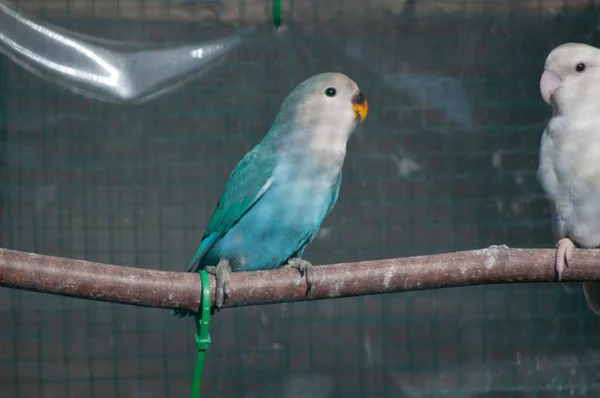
360, 106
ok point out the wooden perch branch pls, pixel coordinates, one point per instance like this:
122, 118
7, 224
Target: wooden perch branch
162, 289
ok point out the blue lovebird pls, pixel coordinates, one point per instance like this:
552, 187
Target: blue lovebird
280, 192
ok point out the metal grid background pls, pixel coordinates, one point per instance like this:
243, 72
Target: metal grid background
136, 185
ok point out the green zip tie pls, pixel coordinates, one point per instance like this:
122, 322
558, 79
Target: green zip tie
277, 13
202, 319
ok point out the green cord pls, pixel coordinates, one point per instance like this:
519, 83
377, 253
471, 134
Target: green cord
202, 337
277, 13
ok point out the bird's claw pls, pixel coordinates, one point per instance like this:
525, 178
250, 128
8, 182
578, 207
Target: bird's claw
305, 268
564, 248
221, 273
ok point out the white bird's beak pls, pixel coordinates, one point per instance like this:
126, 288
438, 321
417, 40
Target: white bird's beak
549, 83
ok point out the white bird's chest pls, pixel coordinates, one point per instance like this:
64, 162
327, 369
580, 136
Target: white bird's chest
570, 174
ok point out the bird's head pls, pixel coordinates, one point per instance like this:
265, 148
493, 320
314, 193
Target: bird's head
571, 76
326, 108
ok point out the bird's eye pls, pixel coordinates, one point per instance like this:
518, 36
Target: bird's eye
330, 92
580, 67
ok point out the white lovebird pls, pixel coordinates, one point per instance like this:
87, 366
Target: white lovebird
569, 164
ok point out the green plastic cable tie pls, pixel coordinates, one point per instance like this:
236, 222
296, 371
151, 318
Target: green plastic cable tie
202, 319
277, 13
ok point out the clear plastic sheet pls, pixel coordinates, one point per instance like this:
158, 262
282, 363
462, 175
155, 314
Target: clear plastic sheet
104, 70
443, 93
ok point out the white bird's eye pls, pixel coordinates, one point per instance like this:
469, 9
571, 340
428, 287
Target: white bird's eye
580, 67
330, 92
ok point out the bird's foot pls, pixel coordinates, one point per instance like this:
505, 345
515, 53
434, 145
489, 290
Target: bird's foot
564, 248
221, 273
305, 268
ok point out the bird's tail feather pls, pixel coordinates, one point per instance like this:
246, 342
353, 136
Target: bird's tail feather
205, 246
181, 313
591, 291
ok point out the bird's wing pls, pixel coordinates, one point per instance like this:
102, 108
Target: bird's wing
546, 175
557, 223
249, 181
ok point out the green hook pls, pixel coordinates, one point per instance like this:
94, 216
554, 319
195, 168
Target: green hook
277, 13
202, 320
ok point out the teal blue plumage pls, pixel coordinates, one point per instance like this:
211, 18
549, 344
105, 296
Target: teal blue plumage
280, 192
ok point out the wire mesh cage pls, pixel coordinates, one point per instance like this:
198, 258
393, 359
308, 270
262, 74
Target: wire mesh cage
446, 161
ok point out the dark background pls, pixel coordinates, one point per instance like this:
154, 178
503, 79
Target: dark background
438, 166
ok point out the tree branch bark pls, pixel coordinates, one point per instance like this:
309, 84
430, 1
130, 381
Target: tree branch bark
162, 289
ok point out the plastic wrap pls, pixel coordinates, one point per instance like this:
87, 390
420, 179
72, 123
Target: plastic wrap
103, 70
443, 93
